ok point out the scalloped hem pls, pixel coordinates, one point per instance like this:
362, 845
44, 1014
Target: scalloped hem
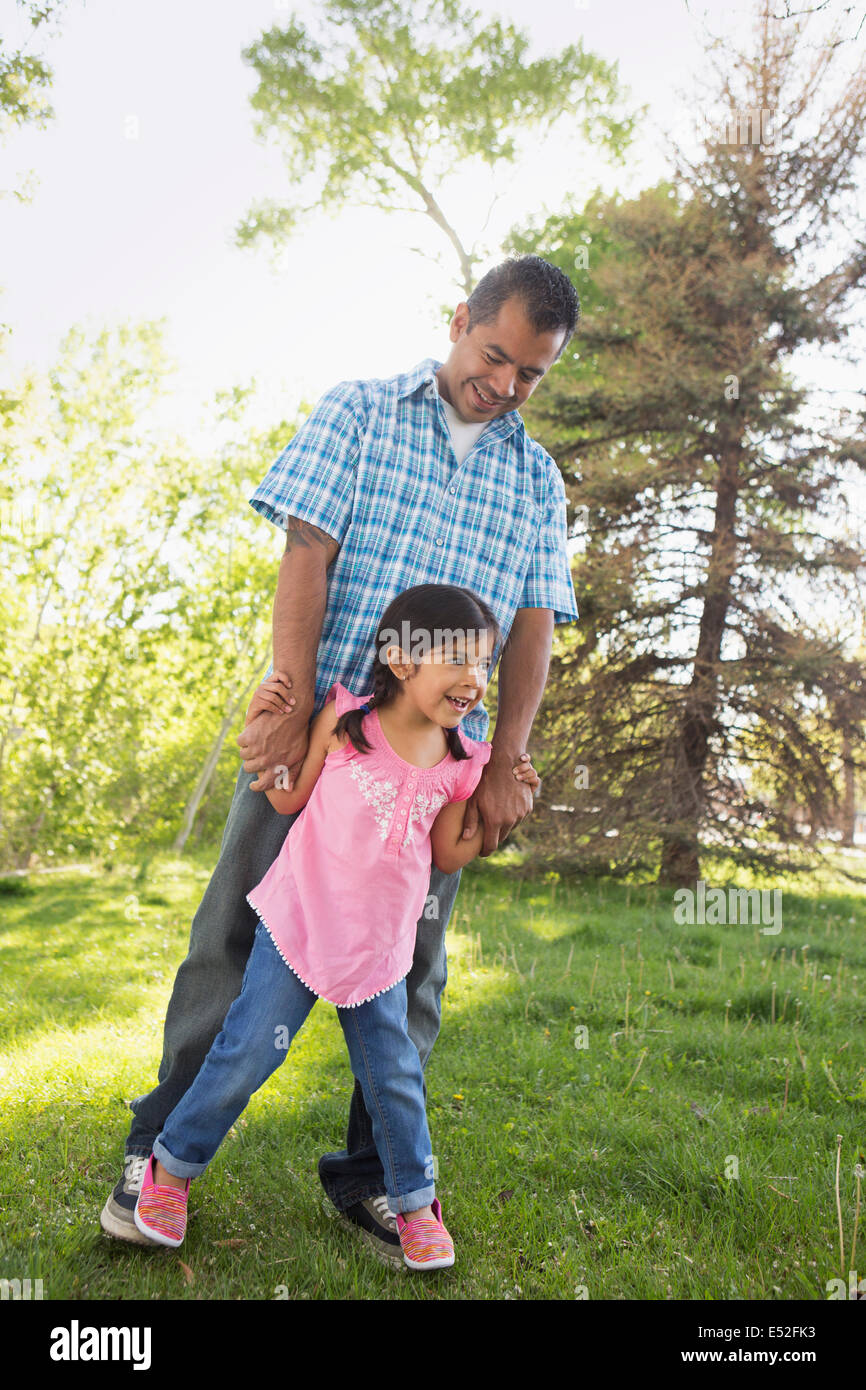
306, 983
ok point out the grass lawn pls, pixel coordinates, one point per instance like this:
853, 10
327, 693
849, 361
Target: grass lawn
687, 1151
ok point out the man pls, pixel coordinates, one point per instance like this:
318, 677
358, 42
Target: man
429, 476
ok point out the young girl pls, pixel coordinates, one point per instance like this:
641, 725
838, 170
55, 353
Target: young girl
383, 787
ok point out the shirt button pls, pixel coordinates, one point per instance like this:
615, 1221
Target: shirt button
453, 489
430, 392
438, 541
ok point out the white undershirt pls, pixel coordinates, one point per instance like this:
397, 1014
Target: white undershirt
463, 433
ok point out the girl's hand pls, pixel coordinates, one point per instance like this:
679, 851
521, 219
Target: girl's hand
525, 772
272, 697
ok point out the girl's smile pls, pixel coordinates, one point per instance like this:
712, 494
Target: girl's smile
428, 684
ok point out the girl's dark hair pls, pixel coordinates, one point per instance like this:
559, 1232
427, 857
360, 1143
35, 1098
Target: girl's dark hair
425, 609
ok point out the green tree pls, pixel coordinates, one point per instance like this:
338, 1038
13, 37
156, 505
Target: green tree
136, 601
709, 481
230, 564
24, 81
394, 96
24, 77
87, 513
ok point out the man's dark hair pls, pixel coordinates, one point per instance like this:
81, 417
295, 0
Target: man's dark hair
548, 297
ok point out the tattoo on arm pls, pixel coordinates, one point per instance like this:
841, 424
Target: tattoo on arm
301, 535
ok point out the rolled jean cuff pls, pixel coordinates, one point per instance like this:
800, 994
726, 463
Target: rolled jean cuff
409, 1201
176, 1166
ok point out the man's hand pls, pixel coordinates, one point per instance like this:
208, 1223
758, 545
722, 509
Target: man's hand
500, 799
274, 739
270, 742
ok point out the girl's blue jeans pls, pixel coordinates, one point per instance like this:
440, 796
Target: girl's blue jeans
258, 1029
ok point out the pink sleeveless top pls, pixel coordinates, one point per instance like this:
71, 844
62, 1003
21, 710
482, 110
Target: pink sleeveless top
343, 897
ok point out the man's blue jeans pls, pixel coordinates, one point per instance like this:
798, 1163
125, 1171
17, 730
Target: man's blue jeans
209, 980
259, 1027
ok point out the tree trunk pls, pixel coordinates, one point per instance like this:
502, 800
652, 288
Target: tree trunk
210, 764
848, 818
680, 858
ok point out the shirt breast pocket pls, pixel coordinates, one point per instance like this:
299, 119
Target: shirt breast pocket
510, 534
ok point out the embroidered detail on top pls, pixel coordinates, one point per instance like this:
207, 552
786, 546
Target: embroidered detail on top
420, 807
378, 794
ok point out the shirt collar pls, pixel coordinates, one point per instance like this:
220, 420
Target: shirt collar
424, 374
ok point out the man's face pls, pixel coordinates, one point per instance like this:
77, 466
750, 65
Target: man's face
496, 366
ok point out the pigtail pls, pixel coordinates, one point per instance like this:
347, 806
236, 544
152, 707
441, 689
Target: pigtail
456, 747
352, 721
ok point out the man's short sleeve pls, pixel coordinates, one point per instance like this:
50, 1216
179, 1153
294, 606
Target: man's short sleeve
314, 476
548, 582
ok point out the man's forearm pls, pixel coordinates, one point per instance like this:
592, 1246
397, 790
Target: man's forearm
299, 611
523, 671
299, 607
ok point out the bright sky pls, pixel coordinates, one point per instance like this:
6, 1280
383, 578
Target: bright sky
151, 162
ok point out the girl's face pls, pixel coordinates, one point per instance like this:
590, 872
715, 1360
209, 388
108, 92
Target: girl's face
450, 678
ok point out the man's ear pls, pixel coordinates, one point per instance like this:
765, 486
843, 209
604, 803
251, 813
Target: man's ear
460, 321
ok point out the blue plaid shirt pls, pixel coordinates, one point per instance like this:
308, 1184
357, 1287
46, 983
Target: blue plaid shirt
373, 466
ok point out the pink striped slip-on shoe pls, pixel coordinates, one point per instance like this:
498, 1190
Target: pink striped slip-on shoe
160, 1212
426, 1244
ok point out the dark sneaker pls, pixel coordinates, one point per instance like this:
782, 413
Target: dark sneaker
118, 1214
377, 1227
